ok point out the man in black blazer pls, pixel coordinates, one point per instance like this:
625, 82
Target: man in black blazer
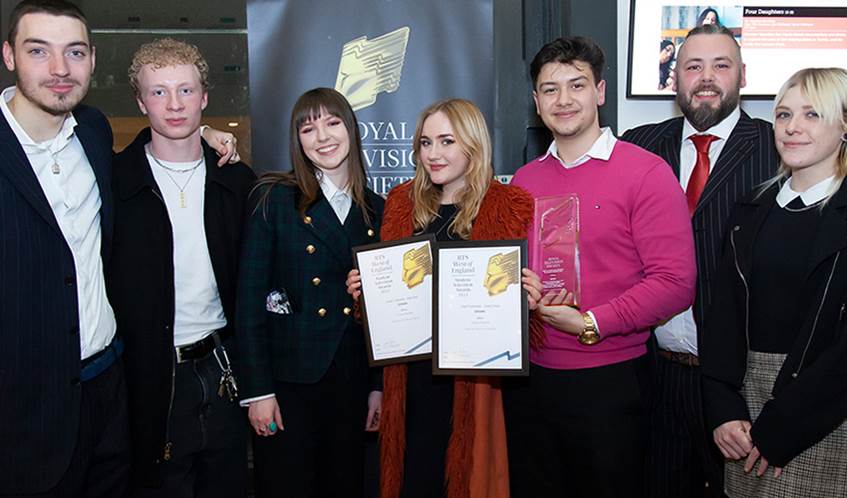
63, 429
63, 409
733, 156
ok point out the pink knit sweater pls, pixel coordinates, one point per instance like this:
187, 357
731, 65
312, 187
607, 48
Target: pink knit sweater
636, 251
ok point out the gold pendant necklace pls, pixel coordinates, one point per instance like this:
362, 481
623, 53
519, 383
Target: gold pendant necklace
193, 169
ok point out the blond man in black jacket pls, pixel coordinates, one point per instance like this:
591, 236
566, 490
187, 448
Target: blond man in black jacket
172, 281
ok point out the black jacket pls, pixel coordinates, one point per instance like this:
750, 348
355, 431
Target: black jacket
810, 393
140, 281
40, 365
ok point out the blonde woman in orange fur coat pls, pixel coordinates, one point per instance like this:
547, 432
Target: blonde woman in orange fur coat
446, 435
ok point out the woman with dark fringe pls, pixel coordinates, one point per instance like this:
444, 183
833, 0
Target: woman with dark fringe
304, 370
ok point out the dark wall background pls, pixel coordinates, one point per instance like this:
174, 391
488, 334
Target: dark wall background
521, 27
520, 140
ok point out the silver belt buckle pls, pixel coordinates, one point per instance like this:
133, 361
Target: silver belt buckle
178, 350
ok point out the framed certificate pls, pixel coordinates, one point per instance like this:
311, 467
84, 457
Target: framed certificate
396, 298
480, 321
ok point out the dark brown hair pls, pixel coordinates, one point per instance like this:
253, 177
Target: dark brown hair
566, 50
52, 7
311, 105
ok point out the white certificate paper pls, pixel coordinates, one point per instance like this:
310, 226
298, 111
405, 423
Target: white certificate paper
481, 326
397, 285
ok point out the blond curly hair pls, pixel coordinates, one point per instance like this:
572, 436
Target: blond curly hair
166, 52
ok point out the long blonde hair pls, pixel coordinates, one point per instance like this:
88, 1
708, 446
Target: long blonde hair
472, 136
826, 89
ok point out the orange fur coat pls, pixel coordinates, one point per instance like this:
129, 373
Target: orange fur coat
476, 462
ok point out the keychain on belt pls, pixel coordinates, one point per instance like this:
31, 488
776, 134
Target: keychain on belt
227, 383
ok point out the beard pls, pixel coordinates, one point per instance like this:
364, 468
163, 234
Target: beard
44, 99
704, 116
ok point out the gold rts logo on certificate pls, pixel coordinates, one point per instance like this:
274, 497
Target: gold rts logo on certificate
503, 270
417, 263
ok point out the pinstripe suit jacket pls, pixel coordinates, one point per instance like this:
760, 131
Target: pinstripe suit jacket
308, 260
39, 322
747, 159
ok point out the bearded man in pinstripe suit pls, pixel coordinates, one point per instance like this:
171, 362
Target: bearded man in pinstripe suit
718, 153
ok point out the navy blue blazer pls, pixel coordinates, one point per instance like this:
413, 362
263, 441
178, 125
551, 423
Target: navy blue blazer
39, 323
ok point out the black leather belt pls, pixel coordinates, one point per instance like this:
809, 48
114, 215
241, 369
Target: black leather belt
687, 359
202, 348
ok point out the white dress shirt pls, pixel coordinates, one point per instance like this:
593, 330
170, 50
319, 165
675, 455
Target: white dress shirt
601, 149
197, 304
688, 152
679, 333
74, 198
340, 200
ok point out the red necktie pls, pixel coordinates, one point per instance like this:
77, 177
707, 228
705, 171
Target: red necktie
700, 174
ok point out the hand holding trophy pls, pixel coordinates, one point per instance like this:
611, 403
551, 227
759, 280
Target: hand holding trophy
555, 258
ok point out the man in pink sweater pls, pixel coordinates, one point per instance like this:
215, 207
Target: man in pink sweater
577, 426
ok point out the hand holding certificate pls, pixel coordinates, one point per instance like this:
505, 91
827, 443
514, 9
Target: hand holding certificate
397, 299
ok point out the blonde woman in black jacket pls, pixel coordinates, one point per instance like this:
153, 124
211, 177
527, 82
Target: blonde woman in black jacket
774, 351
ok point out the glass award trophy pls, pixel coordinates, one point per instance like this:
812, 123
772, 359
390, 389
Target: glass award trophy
555, 256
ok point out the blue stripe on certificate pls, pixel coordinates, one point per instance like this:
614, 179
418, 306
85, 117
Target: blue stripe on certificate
504, 354
424, 343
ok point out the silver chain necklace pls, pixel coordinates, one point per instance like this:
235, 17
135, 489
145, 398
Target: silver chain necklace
193, 169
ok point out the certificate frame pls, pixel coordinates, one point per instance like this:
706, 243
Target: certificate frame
481, 363
370, 321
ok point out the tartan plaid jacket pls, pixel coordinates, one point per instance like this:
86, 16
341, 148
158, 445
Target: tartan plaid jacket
305, 259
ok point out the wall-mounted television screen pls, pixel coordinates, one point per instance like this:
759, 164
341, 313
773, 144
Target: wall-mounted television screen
776, 38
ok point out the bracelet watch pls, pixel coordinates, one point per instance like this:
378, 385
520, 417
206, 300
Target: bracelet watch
589, 335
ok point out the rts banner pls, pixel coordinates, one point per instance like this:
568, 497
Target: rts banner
390, 58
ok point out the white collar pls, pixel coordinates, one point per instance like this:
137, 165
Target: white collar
53, 145
601, 149
812, 195
327, 187
721, 130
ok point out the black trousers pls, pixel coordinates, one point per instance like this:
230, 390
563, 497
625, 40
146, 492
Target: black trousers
682, 458
321, 451
578, 433
100, 462
429, 411
209, 435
